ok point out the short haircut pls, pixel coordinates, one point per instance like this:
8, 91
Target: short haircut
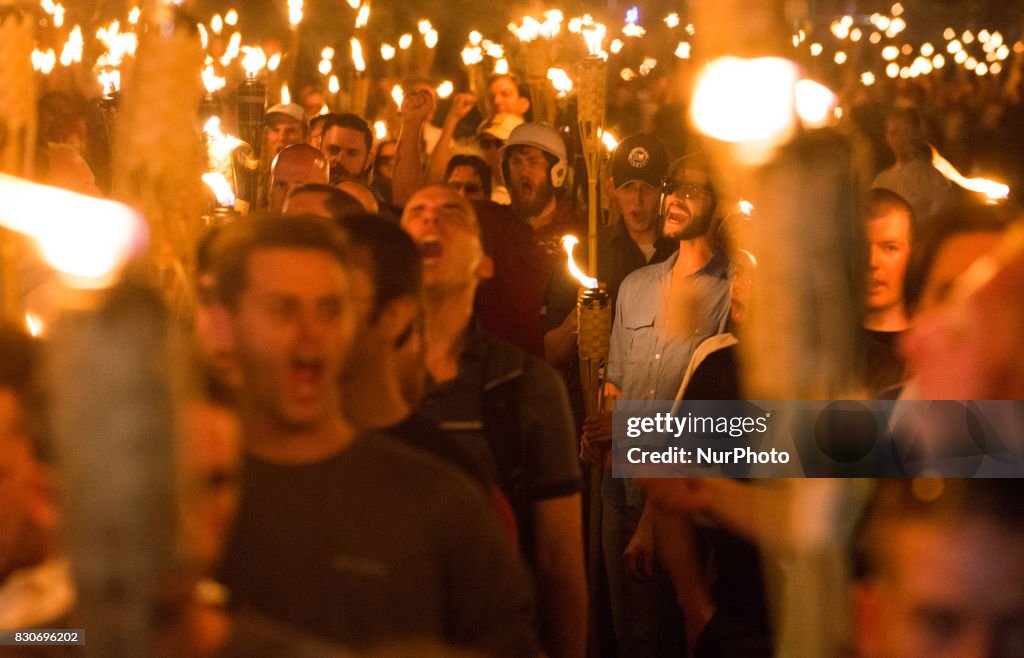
338, 203
239, 240
880, 202
479, 165
897, 501
318, 119
397, 264
963, 218
511, 78
352, 122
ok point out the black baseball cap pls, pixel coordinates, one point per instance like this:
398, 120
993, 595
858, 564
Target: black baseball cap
639, 157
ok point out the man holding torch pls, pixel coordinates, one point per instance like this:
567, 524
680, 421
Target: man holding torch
662, 314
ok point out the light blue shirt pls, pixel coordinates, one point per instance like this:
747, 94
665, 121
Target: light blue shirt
648, 358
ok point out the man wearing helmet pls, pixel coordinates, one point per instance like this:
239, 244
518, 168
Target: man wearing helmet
525, 236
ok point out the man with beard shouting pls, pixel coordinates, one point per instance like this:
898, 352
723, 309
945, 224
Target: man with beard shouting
662, 314
525, 237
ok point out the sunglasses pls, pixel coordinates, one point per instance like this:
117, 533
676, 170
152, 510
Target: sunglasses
488, 143
684, 189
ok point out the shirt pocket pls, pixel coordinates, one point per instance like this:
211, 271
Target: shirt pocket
639, 338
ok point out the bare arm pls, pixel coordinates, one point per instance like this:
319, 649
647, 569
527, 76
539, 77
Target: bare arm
461, 106
560, 342
561, 582
416, 107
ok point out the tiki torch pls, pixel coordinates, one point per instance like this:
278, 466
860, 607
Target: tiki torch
594, 318
18, 125
994, 191
252, 104
472, 58
537, 38
590, 112
110, 103
800, 340
223, 151
360, 83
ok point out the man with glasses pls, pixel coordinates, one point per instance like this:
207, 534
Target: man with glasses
662, 314
491, 137
470, 176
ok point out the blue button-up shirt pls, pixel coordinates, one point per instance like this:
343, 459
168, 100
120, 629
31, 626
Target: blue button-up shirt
649, 354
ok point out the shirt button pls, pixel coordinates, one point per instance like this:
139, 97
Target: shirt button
657, 356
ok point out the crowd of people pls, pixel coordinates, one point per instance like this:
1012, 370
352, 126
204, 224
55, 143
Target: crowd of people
386, 452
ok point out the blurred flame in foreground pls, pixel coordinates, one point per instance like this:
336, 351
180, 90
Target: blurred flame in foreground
86, 239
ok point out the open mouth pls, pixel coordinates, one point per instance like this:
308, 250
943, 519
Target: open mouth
430, 250
307, 370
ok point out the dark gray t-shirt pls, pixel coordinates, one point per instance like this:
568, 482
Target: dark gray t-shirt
375, 544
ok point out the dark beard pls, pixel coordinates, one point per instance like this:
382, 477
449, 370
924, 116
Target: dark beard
696, 228
541, 200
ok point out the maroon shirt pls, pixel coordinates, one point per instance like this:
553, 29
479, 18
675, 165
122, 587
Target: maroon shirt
508, 305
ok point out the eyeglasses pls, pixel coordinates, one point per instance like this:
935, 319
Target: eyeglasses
684, 189
488, 143
468, 188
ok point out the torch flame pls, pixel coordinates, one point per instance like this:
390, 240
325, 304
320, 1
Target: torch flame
253, 61
594, 36
430, 38
286, 95
211, 80
472, 55
748, 102
34, 324
423, 26
110, 80
569, 242
333, 85
85, 238
221, 188
231, 52
72, 51
380, 130
274, 62
117, 43
220, 144
363, 17
445, 89
995, 191
357, 55
387, 51
405, 41
44, 61
294, 12
397, 95
607, 139
560, 80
